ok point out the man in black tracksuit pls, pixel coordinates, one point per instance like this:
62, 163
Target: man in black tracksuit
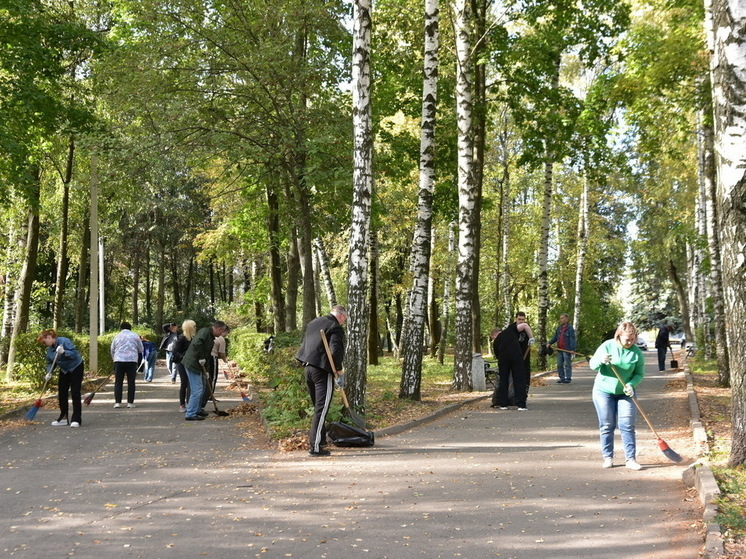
319, 372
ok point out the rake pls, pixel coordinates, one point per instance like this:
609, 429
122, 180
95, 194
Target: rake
89, 398
33, 410
359, 421
670, 453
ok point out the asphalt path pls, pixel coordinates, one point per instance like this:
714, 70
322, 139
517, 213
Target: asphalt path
477, 483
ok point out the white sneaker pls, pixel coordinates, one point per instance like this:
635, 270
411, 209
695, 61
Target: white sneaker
60, 423
608, 463
75, 424
117, 405
182, 409
522, 409
131, 405
633, 465
503, 408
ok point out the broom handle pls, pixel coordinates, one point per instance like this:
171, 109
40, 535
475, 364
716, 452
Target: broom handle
334, 369
634, 400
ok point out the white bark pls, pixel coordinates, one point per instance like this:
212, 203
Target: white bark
583, 226
417, 315
325, 272
447, 295
356, 359
728, 69
467, 197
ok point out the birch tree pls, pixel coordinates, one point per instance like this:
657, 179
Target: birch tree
582, 251
418, 301
356, 359
466, 196
728, 68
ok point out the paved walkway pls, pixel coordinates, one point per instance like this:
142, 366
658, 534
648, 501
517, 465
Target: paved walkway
475, 484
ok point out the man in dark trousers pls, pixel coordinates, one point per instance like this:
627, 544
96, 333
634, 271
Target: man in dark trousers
663, 344
507, 349
320, 373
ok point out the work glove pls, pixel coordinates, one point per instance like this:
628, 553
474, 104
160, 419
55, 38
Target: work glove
607, 360
531, 341
629, 390
202, 362
48, 376
340, 380
60, 350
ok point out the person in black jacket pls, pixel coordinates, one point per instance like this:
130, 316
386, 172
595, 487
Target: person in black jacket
170, 335
319, 372
507, 349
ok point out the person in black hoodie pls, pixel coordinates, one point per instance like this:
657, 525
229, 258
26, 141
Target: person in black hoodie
319, 371
170, 334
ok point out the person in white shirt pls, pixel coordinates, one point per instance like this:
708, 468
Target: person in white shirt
126, 352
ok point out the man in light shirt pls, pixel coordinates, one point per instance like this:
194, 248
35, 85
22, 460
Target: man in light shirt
126, 352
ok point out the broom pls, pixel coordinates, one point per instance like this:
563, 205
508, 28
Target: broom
359, 421
670, 453
33, 410
89, 398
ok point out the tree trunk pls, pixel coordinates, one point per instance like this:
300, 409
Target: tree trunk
137, 258
411, 378
479, 130
148, 289
326, 273
467, 199
257, 271
680, 291
447, 280
543, 279
275, 267
28, 271
175, 280
10, 286
159, 308
433, 324
357, 326
374, 343
728, 67
62, 263
84, 273
291, 299
582, 251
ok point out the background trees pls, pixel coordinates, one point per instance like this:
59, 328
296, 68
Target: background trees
582, 181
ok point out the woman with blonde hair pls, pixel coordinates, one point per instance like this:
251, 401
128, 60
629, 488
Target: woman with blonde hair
188, 331
613, 399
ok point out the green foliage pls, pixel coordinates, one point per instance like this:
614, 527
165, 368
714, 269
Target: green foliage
732, 503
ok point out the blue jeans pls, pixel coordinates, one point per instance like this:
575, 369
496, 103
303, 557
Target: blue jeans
616, 410
564, 365
170, 365
150, 367
195, 392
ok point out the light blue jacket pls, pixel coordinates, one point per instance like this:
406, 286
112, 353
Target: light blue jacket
67, 361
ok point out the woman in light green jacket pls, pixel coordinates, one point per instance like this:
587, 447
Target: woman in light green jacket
613, 399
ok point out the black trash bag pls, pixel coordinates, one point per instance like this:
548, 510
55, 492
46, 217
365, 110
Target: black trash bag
545, 349
341, 434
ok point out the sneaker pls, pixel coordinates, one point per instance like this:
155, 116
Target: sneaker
633, 465
59, 423
130, 405
503, 407
560, 381
321, 452
194, 418
182, 409
522, 409
75, 424
117, 405
608, 463
202, 413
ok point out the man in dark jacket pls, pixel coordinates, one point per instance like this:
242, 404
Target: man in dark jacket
170, 335
319, 371
194, 362
663, 344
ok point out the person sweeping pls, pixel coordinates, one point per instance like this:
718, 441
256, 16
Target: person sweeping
62, 352
621, 367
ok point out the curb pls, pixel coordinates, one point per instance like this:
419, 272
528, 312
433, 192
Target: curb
700, 476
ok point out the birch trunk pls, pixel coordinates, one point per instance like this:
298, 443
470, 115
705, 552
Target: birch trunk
446, 297
356, 359
411, 378
374, 343
433, 324
713, 247
137, 259
326, 274
467, 198
582, 251
728, 67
